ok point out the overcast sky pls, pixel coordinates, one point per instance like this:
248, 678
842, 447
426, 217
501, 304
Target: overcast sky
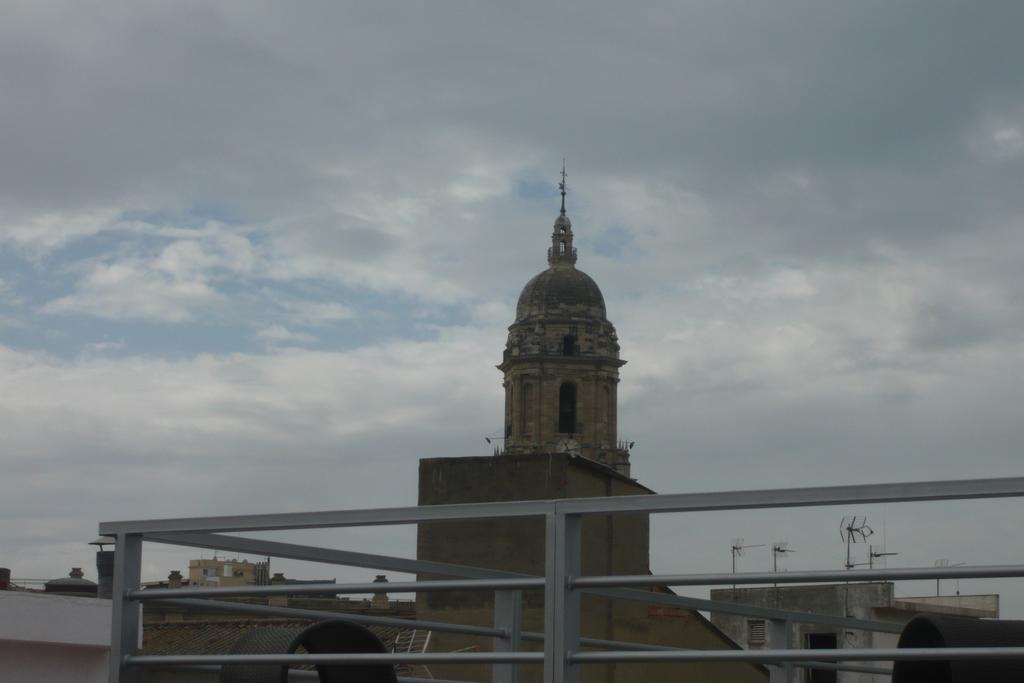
262, 257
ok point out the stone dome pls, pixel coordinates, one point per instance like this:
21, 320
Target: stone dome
561, 291
74, 583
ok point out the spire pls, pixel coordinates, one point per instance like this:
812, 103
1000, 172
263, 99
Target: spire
561, 186
562, 252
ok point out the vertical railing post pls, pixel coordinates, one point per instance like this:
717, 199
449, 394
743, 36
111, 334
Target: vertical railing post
780, 637
125, 615
561, 605
508, 615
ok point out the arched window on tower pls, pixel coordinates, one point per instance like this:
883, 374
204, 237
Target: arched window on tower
525, 401
609, 429
562, 230
567, 408
510, 403
569, 345
561, 248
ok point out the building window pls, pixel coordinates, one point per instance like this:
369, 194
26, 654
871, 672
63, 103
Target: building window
607, 411
510, 408
525, 399
756, 632
561, 248
569, 345
822, 641
567, 408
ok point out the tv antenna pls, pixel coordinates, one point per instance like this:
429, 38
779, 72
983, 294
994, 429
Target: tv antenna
779, 548
737, 548
874, 554
854, 530
945, 563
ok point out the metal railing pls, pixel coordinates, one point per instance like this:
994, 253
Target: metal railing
562, 584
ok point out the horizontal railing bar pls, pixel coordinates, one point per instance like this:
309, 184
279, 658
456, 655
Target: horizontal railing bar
176, 595
745, 578
603, 644
349, 558
293, 674
781, 656
342, 658
798, 497
330, 518
299, 613
701, 605
680, 502
149, 594
346, 558
302, 674
851, 668
326, 555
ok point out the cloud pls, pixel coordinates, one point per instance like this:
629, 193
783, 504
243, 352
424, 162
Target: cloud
9, 321
104, 438
104, 347
807, 232
318, 313
133, 290
279, 335
40, 232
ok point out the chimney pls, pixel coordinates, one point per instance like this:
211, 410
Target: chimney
76, 573
278, 600
104, 567
380, 600
5, 578
174, 579
104, 573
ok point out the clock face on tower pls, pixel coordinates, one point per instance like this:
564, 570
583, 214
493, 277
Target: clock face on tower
568, 445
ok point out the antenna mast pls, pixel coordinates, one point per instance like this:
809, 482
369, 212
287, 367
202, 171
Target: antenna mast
779, 548
737, 551
854, 530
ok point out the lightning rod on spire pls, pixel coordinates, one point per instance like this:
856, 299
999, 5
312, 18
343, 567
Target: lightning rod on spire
561, 186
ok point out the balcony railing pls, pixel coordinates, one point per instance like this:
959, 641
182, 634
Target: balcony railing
570, 252
562, 584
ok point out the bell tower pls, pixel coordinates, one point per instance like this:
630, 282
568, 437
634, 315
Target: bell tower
561, 362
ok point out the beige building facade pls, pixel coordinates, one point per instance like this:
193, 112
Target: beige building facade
223, 572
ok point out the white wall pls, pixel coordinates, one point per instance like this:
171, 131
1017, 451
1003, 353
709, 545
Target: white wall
53, 638
22, 662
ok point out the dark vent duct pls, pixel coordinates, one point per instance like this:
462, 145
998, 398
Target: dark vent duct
941, 631
335, 636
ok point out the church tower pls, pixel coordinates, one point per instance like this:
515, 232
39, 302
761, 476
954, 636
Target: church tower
561, 362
